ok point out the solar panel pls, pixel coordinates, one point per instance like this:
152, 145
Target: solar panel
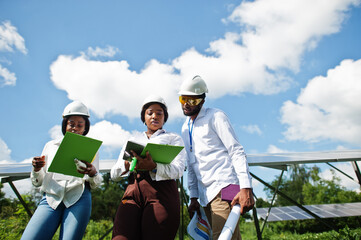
321, 210
17, 169
23, 169
280, 159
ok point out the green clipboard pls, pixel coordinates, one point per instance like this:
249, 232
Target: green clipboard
161, 153
74, 146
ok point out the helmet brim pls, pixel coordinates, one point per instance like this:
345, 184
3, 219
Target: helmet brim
188, 93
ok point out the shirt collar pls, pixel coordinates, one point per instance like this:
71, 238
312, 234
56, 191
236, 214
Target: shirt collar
158, 132
201, 113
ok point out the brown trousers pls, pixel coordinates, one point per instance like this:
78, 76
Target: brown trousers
217, 212
148, 210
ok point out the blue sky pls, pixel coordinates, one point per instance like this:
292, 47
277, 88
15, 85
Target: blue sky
287, 73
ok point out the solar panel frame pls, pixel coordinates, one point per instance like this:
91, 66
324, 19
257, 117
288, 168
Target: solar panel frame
322, 210
282, 159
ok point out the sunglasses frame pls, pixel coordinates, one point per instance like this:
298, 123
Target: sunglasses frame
183, 100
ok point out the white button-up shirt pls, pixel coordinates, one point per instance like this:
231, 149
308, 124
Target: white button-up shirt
174, 170
59, 187
216, 159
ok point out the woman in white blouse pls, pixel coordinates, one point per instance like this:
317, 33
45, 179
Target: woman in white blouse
67, 199
150, 207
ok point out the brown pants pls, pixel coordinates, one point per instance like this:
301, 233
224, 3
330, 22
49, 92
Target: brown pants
217, 212
148, 210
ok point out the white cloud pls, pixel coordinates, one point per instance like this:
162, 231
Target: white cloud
274, 36
7, 78
112, 134
275, 149
10, 38
110, 87
55, 132
109, 51
28, 160
278, 32
341, 148
328, 108
252, 129
4, 152
228, 69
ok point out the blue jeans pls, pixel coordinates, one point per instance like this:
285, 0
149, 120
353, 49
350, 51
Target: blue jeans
73, 220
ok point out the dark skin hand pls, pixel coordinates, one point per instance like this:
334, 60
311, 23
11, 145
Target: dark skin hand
193, 207
89, 169
39, 162
127, 166
244, 198
146, 163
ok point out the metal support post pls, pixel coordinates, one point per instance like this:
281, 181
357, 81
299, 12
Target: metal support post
19, 197
181, 190
256, 223
339, 170
357, 171
273, 198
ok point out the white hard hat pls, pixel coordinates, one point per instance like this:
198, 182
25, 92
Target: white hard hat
76, 108
195, 86
155, 99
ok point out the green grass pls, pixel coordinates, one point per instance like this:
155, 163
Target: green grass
248, 232
12, 228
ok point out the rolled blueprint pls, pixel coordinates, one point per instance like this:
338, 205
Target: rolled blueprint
231, 223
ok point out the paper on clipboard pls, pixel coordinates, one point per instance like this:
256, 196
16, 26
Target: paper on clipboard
136, 147
74, 146
161, 153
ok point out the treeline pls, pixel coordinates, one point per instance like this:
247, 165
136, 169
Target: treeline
105, 201
303, 184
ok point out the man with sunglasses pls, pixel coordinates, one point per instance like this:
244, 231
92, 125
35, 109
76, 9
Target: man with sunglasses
215, 161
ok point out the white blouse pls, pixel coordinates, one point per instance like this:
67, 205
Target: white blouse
59, 187
174, 170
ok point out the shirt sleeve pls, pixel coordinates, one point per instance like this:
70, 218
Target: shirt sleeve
96, 180
235, 150
192, 182
118, 170
192, 179
175, 169
38, 177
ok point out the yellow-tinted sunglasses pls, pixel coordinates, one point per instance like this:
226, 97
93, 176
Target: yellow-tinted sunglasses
192, 101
